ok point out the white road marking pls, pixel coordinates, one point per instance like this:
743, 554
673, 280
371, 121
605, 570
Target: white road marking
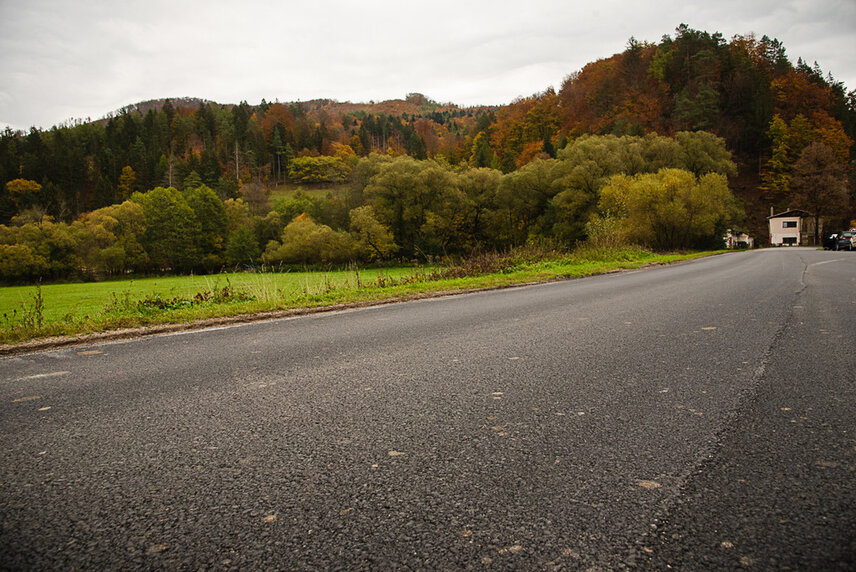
42, 375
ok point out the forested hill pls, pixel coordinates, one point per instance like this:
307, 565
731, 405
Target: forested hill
746, 90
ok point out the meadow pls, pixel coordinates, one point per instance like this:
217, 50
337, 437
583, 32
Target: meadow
288, 191
33, 312
84, 299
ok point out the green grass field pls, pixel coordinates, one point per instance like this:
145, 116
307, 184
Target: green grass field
288, 191
89, 299
30, 312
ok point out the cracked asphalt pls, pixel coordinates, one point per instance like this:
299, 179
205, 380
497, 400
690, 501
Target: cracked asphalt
698, 416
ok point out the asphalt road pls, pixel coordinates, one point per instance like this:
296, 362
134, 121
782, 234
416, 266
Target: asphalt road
701, 416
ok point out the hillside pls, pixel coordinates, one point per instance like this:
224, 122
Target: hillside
745, 90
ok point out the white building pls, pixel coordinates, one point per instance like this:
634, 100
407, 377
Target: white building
791, 228
738, 239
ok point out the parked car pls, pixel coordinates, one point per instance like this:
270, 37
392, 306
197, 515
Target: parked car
847, 240
830, 242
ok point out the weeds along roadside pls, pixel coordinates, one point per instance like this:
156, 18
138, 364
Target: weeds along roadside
123, 310
221, 298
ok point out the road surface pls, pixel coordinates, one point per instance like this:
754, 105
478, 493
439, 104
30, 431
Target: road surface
701, 415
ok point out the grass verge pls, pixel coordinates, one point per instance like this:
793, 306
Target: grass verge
66, 310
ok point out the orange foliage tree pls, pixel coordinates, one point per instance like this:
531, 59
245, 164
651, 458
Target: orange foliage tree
530, 124
614, 95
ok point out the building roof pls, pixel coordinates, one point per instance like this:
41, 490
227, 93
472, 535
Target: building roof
790, 213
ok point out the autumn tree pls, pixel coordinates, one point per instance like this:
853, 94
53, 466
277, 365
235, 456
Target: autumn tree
481, 153
797, 92
372, 239
819, 184
523, 202
788, 141
703, 152
126, 182
419, 202
479, 187
525, 124
22, 191
775, 176
614, 95
306, 242
111, 239
50, 250
670, 209
318, 170
297, 204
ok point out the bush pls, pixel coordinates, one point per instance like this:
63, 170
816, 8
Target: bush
242, 246
306, 242
318, 170
18, 262
670, 209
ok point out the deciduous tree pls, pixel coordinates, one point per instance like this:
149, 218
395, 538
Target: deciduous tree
172, 230
372, 239
703, 152
210, 212
819, 184
306, 242
670, 209
242, 247
23, 191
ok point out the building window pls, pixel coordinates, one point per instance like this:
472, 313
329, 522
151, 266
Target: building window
789, 224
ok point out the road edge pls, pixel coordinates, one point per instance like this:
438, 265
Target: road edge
43, 344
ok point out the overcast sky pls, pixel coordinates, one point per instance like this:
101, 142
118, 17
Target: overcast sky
62, 59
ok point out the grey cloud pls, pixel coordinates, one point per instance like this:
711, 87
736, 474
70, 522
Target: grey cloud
65, 59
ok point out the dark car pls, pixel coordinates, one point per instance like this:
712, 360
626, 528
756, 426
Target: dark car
847, 240
830, 242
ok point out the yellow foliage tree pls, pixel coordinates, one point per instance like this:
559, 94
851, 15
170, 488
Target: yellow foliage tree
126, 182
670, 209
19, 187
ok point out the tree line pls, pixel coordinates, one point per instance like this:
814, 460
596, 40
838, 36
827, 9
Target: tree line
745, 90
663, 192
768, 111
82, 167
